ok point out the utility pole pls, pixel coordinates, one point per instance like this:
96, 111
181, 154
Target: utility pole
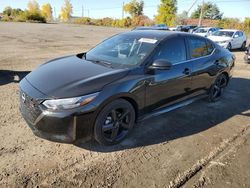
82, 11
88, 13
55, 13
201, 14
123, 10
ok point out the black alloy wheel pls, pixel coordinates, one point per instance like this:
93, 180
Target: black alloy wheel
114, 122
217, 88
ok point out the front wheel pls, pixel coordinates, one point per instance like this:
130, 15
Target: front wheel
114, 122
217, 88
229, 46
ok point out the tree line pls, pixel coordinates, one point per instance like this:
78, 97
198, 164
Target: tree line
34, 13
167, 14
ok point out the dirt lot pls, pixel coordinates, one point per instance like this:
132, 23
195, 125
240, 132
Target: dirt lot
201, 145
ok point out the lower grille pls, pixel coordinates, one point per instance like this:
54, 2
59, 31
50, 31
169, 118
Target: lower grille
29, 108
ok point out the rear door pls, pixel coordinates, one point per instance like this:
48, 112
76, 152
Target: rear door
203, 63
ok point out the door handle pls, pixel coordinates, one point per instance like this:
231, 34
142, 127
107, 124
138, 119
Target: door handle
217, 62
187, 71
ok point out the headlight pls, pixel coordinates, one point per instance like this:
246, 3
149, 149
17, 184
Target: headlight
69, 103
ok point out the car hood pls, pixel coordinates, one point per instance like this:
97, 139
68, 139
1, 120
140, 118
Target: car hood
219, 38
71, 76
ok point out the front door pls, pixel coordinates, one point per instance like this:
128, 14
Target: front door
168, 86
236, 41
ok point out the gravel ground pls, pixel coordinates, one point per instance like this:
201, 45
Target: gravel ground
200, 145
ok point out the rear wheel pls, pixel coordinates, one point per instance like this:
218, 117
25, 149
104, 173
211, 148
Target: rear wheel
114, 122
217, 88
243, 47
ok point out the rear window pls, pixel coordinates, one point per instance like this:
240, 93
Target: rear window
200, 47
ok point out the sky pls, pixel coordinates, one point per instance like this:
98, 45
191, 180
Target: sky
113, 8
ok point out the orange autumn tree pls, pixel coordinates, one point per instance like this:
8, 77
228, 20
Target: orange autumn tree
66, 11
47, 11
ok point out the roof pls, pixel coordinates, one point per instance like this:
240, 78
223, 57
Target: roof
232, 30
207, 27
151, 28
156, 34
147, 28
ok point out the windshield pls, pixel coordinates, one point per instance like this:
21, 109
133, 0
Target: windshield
201, 30
223, 33
122, 50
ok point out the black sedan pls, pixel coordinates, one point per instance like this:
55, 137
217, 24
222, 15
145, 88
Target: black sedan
101, 94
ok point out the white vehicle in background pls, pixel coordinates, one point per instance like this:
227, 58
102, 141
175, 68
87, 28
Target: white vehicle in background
205, 31
172, 28
230, 39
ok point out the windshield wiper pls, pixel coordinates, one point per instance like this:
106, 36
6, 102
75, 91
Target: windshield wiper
105, 63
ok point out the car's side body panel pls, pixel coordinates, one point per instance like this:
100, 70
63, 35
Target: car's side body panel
153, 89
167, 86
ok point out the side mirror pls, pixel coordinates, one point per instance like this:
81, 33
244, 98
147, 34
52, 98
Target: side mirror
82, 55
161, 64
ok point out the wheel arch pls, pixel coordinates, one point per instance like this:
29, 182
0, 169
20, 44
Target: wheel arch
125, 96
227, 75
134, 104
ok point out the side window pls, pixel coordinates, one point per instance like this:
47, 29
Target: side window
198, 48
210, 47
241, 34
173, 50
237, 33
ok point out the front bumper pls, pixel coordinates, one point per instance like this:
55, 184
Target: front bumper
63, 126
60, 127
223, 45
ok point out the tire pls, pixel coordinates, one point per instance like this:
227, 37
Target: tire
229, 46
246, 59
243, 46
114, 122
216, 90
